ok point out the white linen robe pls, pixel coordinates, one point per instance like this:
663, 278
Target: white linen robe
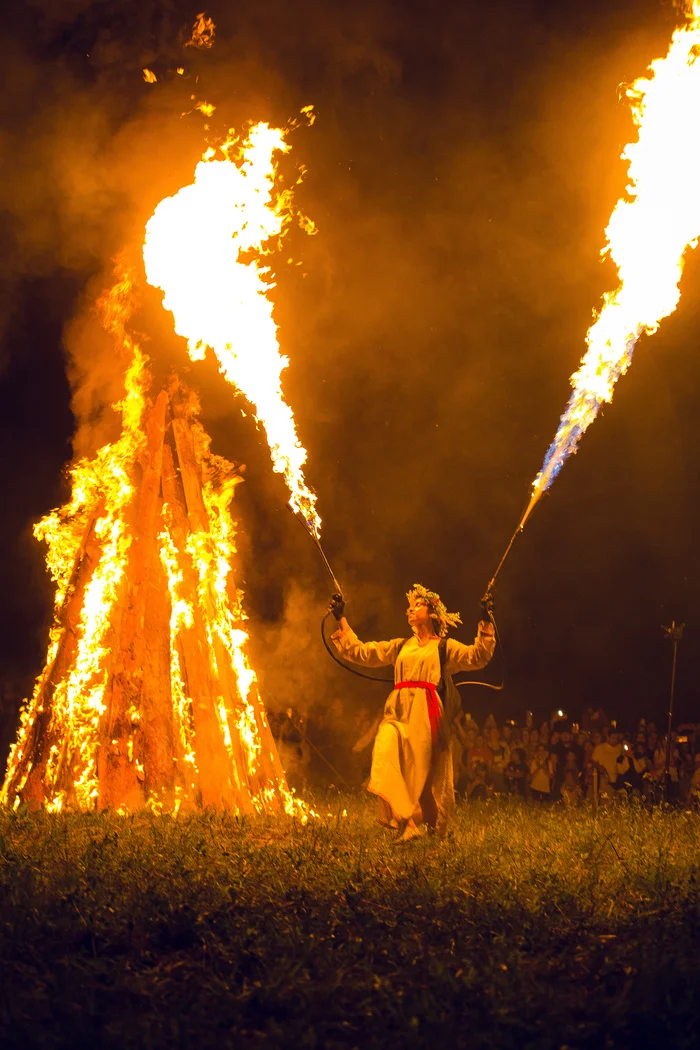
412, 778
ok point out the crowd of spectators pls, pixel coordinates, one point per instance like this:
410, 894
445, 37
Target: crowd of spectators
558, 760
564, 761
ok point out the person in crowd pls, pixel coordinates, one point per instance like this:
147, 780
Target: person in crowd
412, 772
687, 768
518, 738
587, 771
581, 740
469, 741
561, 743
470, 725
479, 786
517, 774
632, 769
694, 791
541, 773
480, 752
501, 757
533, 740
692, 731
567, 743
570, 765
571, 792
673, 784
605, 757
657, 772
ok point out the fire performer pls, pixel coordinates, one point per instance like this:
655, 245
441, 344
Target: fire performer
412, 771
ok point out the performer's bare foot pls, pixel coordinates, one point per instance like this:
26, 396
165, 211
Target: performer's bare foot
411, 831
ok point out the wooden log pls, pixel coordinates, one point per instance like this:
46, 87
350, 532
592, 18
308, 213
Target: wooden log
269, 771
160, 747
122, 754
193, 450
47, 732
191, 476
213, 763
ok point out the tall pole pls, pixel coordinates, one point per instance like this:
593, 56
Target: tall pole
675, 633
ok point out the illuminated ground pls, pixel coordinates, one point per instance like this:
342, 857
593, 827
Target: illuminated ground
528, 928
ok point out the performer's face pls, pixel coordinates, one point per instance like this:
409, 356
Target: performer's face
418, 614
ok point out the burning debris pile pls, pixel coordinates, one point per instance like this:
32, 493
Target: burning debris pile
147, 697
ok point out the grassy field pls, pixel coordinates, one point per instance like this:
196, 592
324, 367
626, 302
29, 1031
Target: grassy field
528, 927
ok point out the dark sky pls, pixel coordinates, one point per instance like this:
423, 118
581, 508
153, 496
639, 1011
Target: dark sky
461, 172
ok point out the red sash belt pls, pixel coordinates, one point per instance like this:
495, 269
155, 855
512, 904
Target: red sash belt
433, 701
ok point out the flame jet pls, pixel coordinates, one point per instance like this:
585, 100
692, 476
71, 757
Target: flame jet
197, 251
647, 236
649, 232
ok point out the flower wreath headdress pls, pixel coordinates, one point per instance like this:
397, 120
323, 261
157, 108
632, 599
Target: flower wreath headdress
436, 607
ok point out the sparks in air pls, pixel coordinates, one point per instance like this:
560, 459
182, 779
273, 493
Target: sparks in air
198, 249
649, 231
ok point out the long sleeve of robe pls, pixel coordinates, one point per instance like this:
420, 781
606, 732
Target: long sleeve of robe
403, 760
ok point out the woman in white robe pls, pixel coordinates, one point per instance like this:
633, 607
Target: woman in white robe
412, 770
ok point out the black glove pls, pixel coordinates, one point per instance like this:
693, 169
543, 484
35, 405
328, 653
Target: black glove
487, 607
337, 606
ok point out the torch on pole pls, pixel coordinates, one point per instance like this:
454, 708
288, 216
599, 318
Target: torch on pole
675, 634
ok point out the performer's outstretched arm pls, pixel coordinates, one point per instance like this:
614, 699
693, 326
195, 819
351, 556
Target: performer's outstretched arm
371, 654
462, 657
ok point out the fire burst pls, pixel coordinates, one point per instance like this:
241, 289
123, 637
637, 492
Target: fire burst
195, 251
649, 231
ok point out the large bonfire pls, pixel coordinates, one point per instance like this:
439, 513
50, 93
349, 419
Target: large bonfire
147, 696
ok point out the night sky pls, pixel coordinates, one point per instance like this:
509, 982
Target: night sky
461, 172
